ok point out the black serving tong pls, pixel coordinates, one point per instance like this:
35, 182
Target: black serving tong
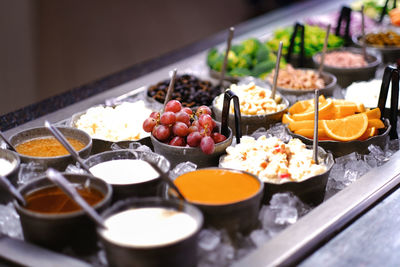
384, 10
391, 74
297, 27
345, 15
228, 95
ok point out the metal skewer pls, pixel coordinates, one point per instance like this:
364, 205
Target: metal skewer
168, 96
363, 46
316, 117
321, 64
277, 64
228, 48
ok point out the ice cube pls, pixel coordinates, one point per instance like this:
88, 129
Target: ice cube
9, 221
75, 169
209, 239
29, 172
259, 237
182, 168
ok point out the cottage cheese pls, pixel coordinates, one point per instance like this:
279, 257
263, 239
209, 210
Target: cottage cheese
272, 160
5, 167
122, 123
254, 100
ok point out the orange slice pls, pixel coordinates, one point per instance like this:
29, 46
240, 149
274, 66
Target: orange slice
377, 123
286, 119
342, 111
304, 105
306, 124
309, 133
373, 113
346, 129
325, 112
368, 133
360, 107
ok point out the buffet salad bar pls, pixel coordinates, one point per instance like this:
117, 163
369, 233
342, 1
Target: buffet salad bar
213, 165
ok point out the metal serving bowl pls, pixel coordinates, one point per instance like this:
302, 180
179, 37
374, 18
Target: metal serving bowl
142, 189
250, 123
179, 253
60, 162
57, 231
102, 145
177, 154
12, 176
330, 84
389, 53
240, 216
339, 149
310, 190
345, 76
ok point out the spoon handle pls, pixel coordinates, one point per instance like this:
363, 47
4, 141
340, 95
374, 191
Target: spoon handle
321, 64
68, 189
60, 137
276, 74
170, 88
13, 191
10, 146
316, 118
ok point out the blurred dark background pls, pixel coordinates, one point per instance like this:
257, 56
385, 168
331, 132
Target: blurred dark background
50, 46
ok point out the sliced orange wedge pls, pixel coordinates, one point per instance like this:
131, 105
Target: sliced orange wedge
373, 113
309, 133
325, 112
286, 119
376, 123
342, 111
346, 129
368, 133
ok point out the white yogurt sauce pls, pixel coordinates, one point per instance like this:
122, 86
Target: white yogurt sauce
124, 171
148, 227
5, 167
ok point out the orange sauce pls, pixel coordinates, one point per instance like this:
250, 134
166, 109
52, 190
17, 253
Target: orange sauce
217, 186
53, 200
47, 147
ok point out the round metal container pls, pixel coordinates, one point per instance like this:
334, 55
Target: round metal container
177, 154
240, 216
179, 253
57, 231
102, 145
330, 84
310, 190
60, 162
142, 189
250, 123
346, 76
12, 176
389, 53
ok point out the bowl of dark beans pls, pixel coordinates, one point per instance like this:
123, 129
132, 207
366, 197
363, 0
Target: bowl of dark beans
189, 90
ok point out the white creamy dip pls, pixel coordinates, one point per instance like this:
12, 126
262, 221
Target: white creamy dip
124, 171
5, 167
148, 227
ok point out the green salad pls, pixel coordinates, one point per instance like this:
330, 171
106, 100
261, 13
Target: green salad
313, 40
372, 8
249, 58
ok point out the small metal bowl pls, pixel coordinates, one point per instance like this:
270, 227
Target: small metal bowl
177, 154
57, 231
60, 162
339, 149
346, 76
102, 145
389, 53
330, 84
240, 216
250, 123
310, 190
179, 253
12, 175
142, 189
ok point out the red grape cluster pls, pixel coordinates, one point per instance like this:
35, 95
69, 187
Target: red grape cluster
178, 126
